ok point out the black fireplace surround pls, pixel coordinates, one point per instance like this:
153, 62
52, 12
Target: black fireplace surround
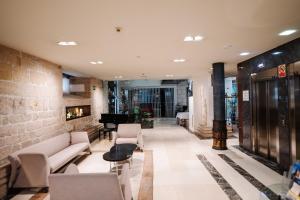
75, 112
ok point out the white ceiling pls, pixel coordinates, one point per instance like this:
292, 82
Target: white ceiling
152, 29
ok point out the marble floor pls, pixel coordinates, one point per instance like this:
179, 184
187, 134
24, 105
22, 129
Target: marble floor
179, 174
183, 166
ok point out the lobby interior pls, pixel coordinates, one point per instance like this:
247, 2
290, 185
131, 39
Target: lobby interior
143, 100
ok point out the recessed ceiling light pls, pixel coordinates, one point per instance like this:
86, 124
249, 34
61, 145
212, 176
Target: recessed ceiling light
67, 43
244, 54
190, 38
198, 38
261, 65
169, 75
277, 53
118, 77
179, 60
96, 62
287, 32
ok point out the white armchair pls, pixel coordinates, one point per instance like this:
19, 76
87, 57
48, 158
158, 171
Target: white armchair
73, 185
129, 133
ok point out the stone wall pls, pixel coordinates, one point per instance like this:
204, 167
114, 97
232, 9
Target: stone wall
94, 97
30, 101
32, 106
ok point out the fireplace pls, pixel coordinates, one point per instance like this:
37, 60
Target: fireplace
75, 112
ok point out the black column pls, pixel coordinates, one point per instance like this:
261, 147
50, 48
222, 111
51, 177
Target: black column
219, 123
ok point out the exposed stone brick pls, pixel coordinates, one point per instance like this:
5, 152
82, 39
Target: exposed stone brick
32, 107
6, 105
10, 140
34, 125
19, 118
5, 72
37, 78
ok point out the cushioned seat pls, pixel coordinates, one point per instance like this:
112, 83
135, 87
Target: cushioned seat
31, 166
126, 141
59, 159
129, 134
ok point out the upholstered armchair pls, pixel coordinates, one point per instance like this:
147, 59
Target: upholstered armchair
73, 185
129, 133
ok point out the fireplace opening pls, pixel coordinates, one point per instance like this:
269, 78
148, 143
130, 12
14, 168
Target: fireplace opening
75, 112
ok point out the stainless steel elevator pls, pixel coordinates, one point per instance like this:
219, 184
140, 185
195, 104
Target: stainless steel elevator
265, 137
294, 109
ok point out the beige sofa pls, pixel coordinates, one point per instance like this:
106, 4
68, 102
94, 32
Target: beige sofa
73, 185
31, 166
129, 133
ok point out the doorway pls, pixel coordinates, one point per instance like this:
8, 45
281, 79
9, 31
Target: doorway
265, 132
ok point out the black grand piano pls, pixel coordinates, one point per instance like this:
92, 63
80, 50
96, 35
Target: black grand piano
111, 122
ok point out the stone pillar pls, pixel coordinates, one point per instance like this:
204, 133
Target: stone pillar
219, 122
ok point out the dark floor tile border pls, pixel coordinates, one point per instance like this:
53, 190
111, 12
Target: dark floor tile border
225, 186
209, 138
270, 164
256, 183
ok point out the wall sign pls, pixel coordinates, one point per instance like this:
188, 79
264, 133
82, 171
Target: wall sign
245, 95
281, 71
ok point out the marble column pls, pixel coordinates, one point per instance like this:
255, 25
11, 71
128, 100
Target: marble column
219, 122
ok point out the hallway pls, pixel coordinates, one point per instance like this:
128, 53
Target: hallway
179, 174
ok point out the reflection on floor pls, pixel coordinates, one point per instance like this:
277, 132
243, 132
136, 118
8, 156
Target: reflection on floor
180, 175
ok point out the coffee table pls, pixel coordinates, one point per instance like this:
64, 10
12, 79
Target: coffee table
119, 153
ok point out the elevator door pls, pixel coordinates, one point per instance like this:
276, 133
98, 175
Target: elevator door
266, 118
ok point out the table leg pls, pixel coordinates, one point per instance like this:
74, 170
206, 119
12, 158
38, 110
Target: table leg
110, 138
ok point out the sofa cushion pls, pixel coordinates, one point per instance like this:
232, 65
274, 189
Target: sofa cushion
129, 130
47, 147
72, 169
126, 141
59, 159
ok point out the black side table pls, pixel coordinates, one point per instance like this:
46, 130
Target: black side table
119, 153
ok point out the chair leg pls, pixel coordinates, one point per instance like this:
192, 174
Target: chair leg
110, 138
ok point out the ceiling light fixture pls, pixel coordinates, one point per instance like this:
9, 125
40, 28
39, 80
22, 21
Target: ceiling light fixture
190, 38
261, 65
277, 53
169, 75
179, 60
198, 38
287, 32
118, 77
96, 62
67, 43
244, 54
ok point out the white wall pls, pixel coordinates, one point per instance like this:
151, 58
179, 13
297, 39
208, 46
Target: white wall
203, 101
